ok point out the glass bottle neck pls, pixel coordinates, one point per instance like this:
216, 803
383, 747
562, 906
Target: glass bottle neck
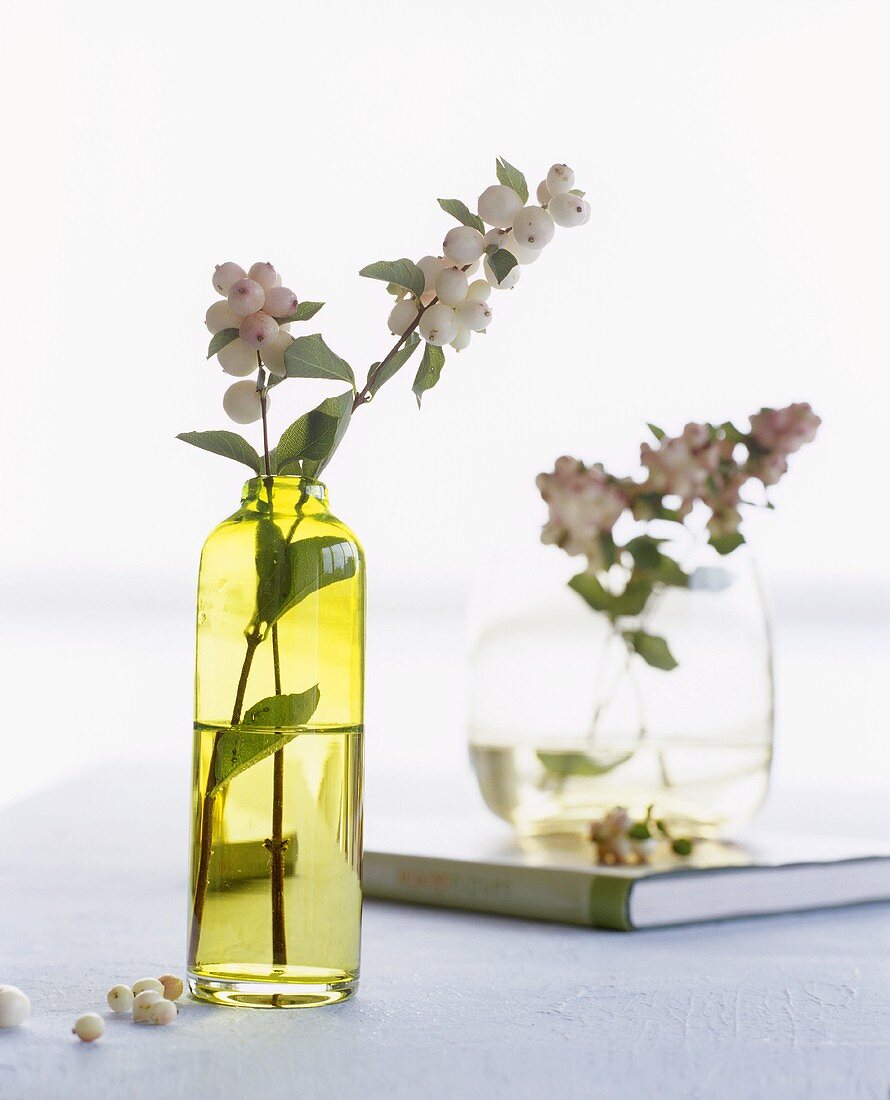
284, 494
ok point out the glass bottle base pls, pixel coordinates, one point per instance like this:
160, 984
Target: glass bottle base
249, 994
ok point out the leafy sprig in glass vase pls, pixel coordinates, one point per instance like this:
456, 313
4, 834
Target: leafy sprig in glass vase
305, 592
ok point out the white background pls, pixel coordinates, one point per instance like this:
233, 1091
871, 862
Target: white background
736, 158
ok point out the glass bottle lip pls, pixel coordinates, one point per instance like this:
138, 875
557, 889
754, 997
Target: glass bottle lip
283, 488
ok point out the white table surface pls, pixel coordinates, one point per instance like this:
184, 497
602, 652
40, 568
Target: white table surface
93, 891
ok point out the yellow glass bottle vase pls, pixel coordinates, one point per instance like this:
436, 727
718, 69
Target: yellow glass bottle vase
275, 907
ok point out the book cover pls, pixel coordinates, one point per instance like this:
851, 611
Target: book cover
464, 864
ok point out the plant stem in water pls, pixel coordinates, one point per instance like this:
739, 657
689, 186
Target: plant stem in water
276, 845
207, 807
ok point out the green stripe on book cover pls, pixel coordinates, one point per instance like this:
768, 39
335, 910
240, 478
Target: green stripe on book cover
609, 897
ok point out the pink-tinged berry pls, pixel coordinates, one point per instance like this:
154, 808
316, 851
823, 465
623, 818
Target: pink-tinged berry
258, 329
246, 297
226, 275
281, 302
264, 274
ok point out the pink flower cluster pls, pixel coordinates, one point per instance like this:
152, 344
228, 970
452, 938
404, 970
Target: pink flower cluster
584, 502
704, 463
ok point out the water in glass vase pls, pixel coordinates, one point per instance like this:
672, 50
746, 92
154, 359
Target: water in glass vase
280, 887
701, 786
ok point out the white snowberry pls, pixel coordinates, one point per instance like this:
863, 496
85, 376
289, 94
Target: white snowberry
226, 275
242, 404
120, 998
246, 297
497, 237
523, 255
280, 302
474, 315
498, 205
431, 266
162, 1012
569, 210
437, 325
533, 228
237, 359
402, 316
14, 1006
479, 291
560, 179
258, 330
219, 316
272, 356
172, 986
462, 339
89, 1027
543, 193
463, 245
451, 286
510, 279
147, 983
143, 1001
264, 274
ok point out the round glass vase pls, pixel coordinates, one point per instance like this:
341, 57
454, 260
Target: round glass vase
275, 908
566, 724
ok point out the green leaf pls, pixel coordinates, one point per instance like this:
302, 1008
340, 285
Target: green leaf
639, 831
653, 649
512, 177
429, 371
579, 763
221, 340
725, 544
282, 711
657, 566
659, 433
462, 212
305, 311
669, 572
396, 363
608, 549
682, 846
227, 444
310, 357
502, 263
645, 552
590, 590
315, 436
404, 273
241, 746
633, 599
578, 192
732, 433
288, 572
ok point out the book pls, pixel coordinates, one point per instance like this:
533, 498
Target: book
463, 864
